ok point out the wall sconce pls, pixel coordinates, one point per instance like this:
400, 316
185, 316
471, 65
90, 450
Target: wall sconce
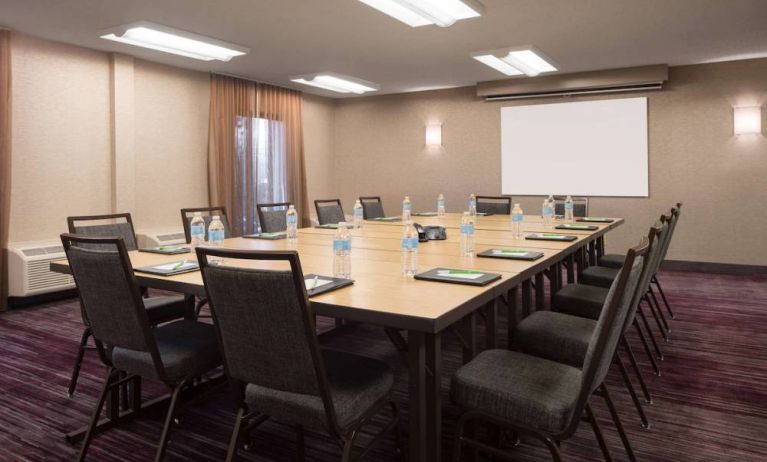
747, 120
434, 135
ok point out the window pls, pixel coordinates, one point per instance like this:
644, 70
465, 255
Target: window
260, 171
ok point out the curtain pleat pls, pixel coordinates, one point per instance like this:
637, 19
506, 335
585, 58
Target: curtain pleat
230, 100
5, 161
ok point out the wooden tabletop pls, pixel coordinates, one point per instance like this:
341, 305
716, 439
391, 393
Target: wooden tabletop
380, 294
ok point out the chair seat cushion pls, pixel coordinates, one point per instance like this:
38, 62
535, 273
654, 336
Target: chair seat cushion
356, 384
612, 260
556, 336
164, 309
598, 276
187, 349
580, 300
525, 390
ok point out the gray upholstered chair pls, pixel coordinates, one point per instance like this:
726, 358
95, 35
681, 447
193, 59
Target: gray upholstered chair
329, 211
207, 215
616, 260
372, 207
580, 206
272, 216
173, 354
496, 205
563, 333
273, 359
541, 398
159, 309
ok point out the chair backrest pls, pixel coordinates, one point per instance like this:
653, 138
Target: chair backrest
609, 329
112, 225
498, 205
672, 219
109, 294
207, 215
273, 221
580, 206
329, 211
372, 207
655, 238
265, 325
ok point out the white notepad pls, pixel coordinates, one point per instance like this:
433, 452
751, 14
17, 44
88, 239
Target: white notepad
446, 273
320, 282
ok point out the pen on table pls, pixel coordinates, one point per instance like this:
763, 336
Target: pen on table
179, 264
314, 282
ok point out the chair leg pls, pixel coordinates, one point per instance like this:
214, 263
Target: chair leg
656, 369
96, 415
164, 437
78, 362
660, 311
234, 442
663, 296
300, 447
598, 433
649, 332
459, 438
618, 424
637, 371
553, 446
348, 448
654, 312
632, 392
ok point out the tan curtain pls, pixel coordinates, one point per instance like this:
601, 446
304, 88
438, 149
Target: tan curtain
234, 103
5, 160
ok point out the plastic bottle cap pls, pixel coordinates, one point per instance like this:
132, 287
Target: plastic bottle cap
216, 217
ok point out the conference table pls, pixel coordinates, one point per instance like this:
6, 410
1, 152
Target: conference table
425, 310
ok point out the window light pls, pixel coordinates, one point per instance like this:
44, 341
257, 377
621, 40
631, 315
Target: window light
416, 13
336, 82
162, 38
516, 61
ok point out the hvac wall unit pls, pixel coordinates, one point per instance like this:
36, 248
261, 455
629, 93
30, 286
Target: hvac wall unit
29, 270
156, 238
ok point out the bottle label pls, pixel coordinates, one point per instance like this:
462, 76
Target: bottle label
568, 206
358, 213
517, 218
291, 219
342, 244
217, 235
440, 203
467, 228
548, 211
409, 243
197, 230
472, 203
405, 207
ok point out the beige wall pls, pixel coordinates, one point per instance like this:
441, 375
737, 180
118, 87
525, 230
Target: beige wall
73, 153
319, 143
379, 150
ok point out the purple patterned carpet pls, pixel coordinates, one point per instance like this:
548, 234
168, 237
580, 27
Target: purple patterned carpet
710, 402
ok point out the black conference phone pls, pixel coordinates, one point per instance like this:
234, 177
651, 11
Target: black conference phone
430, 233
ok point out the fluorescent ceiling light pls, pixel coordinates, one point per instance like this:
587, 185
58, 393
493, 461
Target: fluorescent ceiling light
336, 82
516, 61
416, 13
161, 38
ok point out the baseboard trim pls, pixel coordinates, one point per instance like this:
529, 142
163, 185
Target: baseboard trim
24, 302
708, 267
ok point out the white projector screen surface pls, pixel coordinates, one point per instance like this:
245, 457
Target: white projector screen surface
589, 148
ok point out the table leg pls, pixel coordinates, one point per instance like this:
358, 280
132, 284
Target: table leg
600, 247
539, 291
434, 397
469, 333
581, 257
512, 316
527, 298
417, 397
592, 253
570, 268
491, 325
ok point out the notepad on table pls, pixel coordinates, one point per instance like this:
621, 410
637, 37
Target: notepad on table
170, 269
425, 214
269, 236
458, 276
167, 249
578, 227
316, 284
596, 219
550, 237
387, 219
513, 254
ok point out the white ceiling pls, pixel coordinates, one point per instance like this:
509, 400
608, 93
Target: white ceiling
292, 37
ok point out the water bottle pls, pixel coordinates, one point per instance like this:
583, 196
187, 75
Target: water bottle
409, 246
406, 209
441, 206
547, 212
342, 252
473, 205
216, 236
569, 209
197, 230
358, 214
553, 205
467, 235
291, 219
517, 217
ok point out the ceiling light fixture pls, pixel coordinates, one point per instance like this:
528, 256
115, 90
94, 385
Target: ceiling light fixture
516, 61
336, 82
416, 13
162, 38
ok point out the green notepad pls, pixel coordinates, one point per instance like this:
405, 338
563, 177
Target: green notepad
596, 219
551, 237
511, 254
578, 227
458, 276
268, 236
